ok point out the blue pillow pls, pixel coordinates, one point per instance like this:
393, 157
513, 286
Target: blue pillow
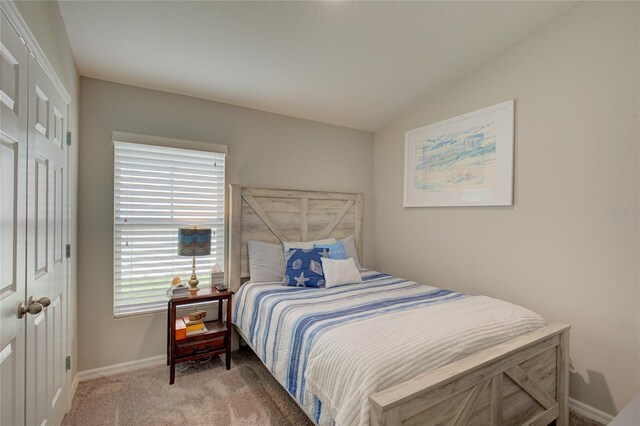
304, 268
336, 250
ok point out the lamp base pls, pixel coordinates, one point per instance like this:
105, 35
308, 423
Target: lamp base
193, 282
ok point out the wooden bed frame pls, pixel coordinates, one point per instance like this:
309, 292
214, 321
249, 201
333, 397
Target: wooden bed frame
524, 381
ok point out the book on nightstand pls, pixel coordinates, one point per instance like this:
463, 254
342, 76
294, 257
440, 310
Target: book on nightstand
195, 327
181, 330
201, 330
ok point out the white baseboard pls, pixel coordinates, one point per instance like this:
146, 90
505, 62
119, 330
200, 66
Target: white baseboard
590, 412
74, 386
110, 370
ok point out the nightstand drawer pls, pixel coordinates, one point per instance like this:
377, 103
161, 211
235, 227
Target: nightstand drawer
199, 346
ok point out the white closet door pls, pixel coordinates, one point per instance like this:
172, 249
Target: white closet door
46, 261
13, 184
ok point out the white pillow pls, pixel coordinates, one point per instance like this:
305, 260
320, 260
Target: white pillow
306, 244
340, 271
266, 261
350, 249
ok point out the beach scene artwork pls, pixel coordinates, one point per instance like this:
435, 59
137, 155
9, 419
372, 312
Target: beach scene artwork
457, 160
463, 161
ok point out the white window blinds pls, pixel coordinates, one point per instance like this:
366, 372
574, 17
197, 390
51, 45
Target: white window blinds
156, 191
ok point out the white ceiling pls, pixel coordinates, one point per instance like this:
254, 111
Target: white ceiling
356, 64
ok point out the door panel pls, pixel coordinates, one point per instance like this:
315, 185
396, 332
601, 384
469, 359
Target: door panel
13, 184
58, 202
11, 404
58, 128
42, 224
46, 265
57, 358
41, 111
37, 348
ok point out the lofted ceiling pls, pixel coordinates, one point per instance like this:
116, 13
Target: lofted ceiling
355, 64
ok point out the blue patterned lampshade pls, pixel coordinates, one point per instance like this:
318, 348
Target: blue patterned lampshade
194, 242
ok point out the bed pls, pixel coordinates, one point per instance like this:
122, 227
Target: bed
459, 359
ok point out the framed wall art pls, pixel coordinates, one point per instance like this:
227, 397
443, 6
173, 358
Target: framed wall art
463, 161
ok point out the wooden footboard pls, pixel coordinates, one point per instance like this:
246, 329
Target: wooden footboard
524, 381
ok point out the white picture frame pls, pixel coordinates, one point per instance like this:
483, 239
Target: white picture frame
463, 161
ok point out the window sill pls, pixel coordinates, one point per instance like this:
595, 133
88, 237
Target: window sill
151, 311
160, 310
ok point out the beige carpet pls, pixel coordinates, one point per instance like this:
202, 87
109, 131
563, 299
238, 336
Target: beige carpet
209, 395
245, 395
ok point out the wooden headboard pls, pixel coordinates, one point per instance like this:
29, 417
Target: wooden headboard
278, 215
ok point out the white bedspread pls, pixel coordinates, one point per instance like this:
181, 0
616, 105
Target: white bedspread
332, 348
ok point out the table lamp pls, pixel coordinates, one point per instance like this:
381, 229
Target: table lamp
194, 242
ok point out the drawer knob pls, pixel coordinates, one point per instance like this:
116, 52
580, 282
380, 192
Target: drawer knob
196, 351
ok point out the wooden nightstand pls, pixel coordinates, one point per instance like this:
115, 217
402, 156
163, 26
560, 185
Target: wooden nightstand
215, 341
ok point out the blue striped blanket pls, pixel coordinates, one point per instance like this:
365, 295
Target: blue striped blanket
315, 340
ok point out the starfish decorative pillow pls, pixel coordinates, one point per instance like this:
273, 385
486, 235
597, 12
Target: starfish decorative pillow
304, 267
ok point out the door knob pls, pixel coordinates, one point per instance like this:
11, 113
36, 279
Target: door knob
33, 309
44, 301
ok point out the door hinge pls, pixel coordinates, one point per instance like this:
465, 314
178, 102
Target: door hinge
67, 362
68, 251
69, 138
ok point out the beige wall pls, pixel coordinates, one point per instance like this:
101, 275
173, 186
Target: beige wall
555, 250
265, 150
45, 22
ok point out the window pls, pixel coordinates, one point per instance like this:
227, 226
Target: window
158, 189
